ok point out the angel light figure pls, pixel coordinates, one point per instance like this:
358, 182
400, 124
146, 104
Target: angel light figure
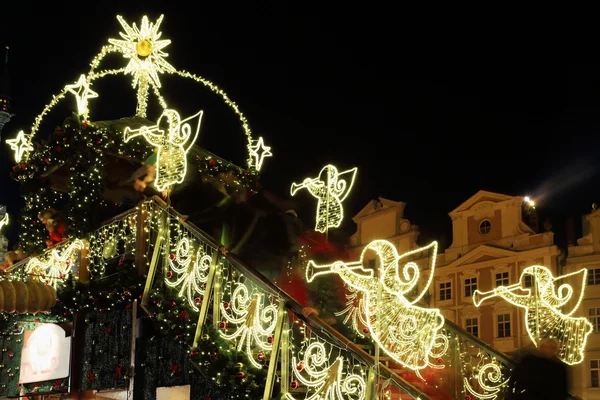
543, 315
173, 137
406, 332
330, 188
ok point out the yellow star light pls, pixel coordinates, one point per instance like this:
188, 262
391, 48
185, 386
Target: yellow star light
144, 50
4, 221
81, 90
20, 145
259, 151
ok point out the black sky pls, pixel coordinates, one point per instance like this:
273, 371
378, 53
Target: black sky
429, 113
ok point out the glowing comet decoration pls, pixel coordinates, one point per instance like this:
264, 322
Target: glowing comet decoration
254, 321
144, 49
326, 382
81, 90
4, 221
330, 188
406, 332
543, 315
188, 273
19, 145
58, 265
258, 152
174, 138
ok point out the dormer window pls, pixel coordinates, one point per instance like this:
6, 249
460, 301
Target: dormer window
485, 227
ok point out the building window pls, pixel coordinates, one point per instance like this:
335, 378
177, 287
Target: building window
594, 276
445, 291
502, 279
595, 373
485, 227
470, 286
529, 281
472, 326
594, 317
503, 325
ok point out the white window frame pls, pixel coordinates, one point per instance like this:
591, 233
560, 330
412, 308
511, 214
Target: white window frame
471, 318
593, 315
497, 323
591, 370
502, 278
468, 274
592, 276
448, 285
481, 223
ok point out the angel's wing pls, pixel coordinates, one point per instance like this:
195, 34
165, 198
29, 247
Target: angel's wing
344, 183
562, 300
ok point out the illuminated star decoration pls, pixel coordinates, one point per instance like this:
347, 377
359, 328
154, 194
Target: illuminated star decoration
174, 138
4, 221
330, 188
146, 58
259, 151
20, 145
544, 317
82, 93
405, 331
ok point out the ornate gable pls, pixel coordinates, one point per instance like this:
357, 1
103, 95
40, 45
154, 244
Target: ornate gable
481, 201
482, 253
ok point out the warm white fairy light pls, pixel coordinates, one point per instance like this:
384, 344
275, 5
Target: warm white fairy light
326, 381
173, 137
330, 188
543, 315
189, 272
4, 221
354, 312
490, 381
144, 49
254, 322
81, 90
20, 145
57, 267
407, 333
258, 152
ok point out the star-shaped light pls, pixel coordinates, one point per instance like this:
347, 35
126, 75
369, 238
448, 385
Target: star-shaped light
20, 145
259, 151
144, 50
82, 93
4, 221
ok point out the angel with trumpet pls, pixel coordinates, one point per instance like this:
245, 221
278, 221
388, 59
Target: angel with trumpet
407, 332
543, 303
173, 137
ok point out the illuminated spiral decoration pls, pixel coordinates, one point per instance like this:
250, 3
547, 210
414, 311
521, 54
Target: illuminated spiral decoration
491, 381
187, 273
254, 322
326, 381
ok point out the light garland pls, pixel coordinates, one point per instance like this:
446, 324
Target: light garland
330, 188
188, 272
4, 221
173, 137
20, 145
490, 381
253, 320
407, 333
543, 317
58, 265
326, 382
81, 90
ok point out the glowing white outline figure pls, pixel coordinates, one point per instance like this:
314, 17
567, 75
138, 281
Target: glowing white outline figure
543, 317
81, 90
20, 145
409, 334
265, 151
190, 272
170, 134
331, 189
57, 267
254, 321
327, 382
4, 221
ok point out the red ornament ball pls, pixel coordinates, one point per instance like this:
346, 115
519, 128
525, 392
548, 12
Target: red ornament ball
240, 375
226, 305
261, 356
365, 330
294, 384
195, 352
213, 354
173, 257
198, 300
223, 325
169, 274
270, 339
300, 366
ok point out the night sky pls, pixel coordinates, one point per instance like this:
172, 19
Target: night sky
427, 117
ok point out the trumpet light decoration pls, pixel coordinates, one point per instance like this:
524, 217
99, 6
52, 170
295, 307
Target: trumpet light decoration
330, 188
408, 333
543, 304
